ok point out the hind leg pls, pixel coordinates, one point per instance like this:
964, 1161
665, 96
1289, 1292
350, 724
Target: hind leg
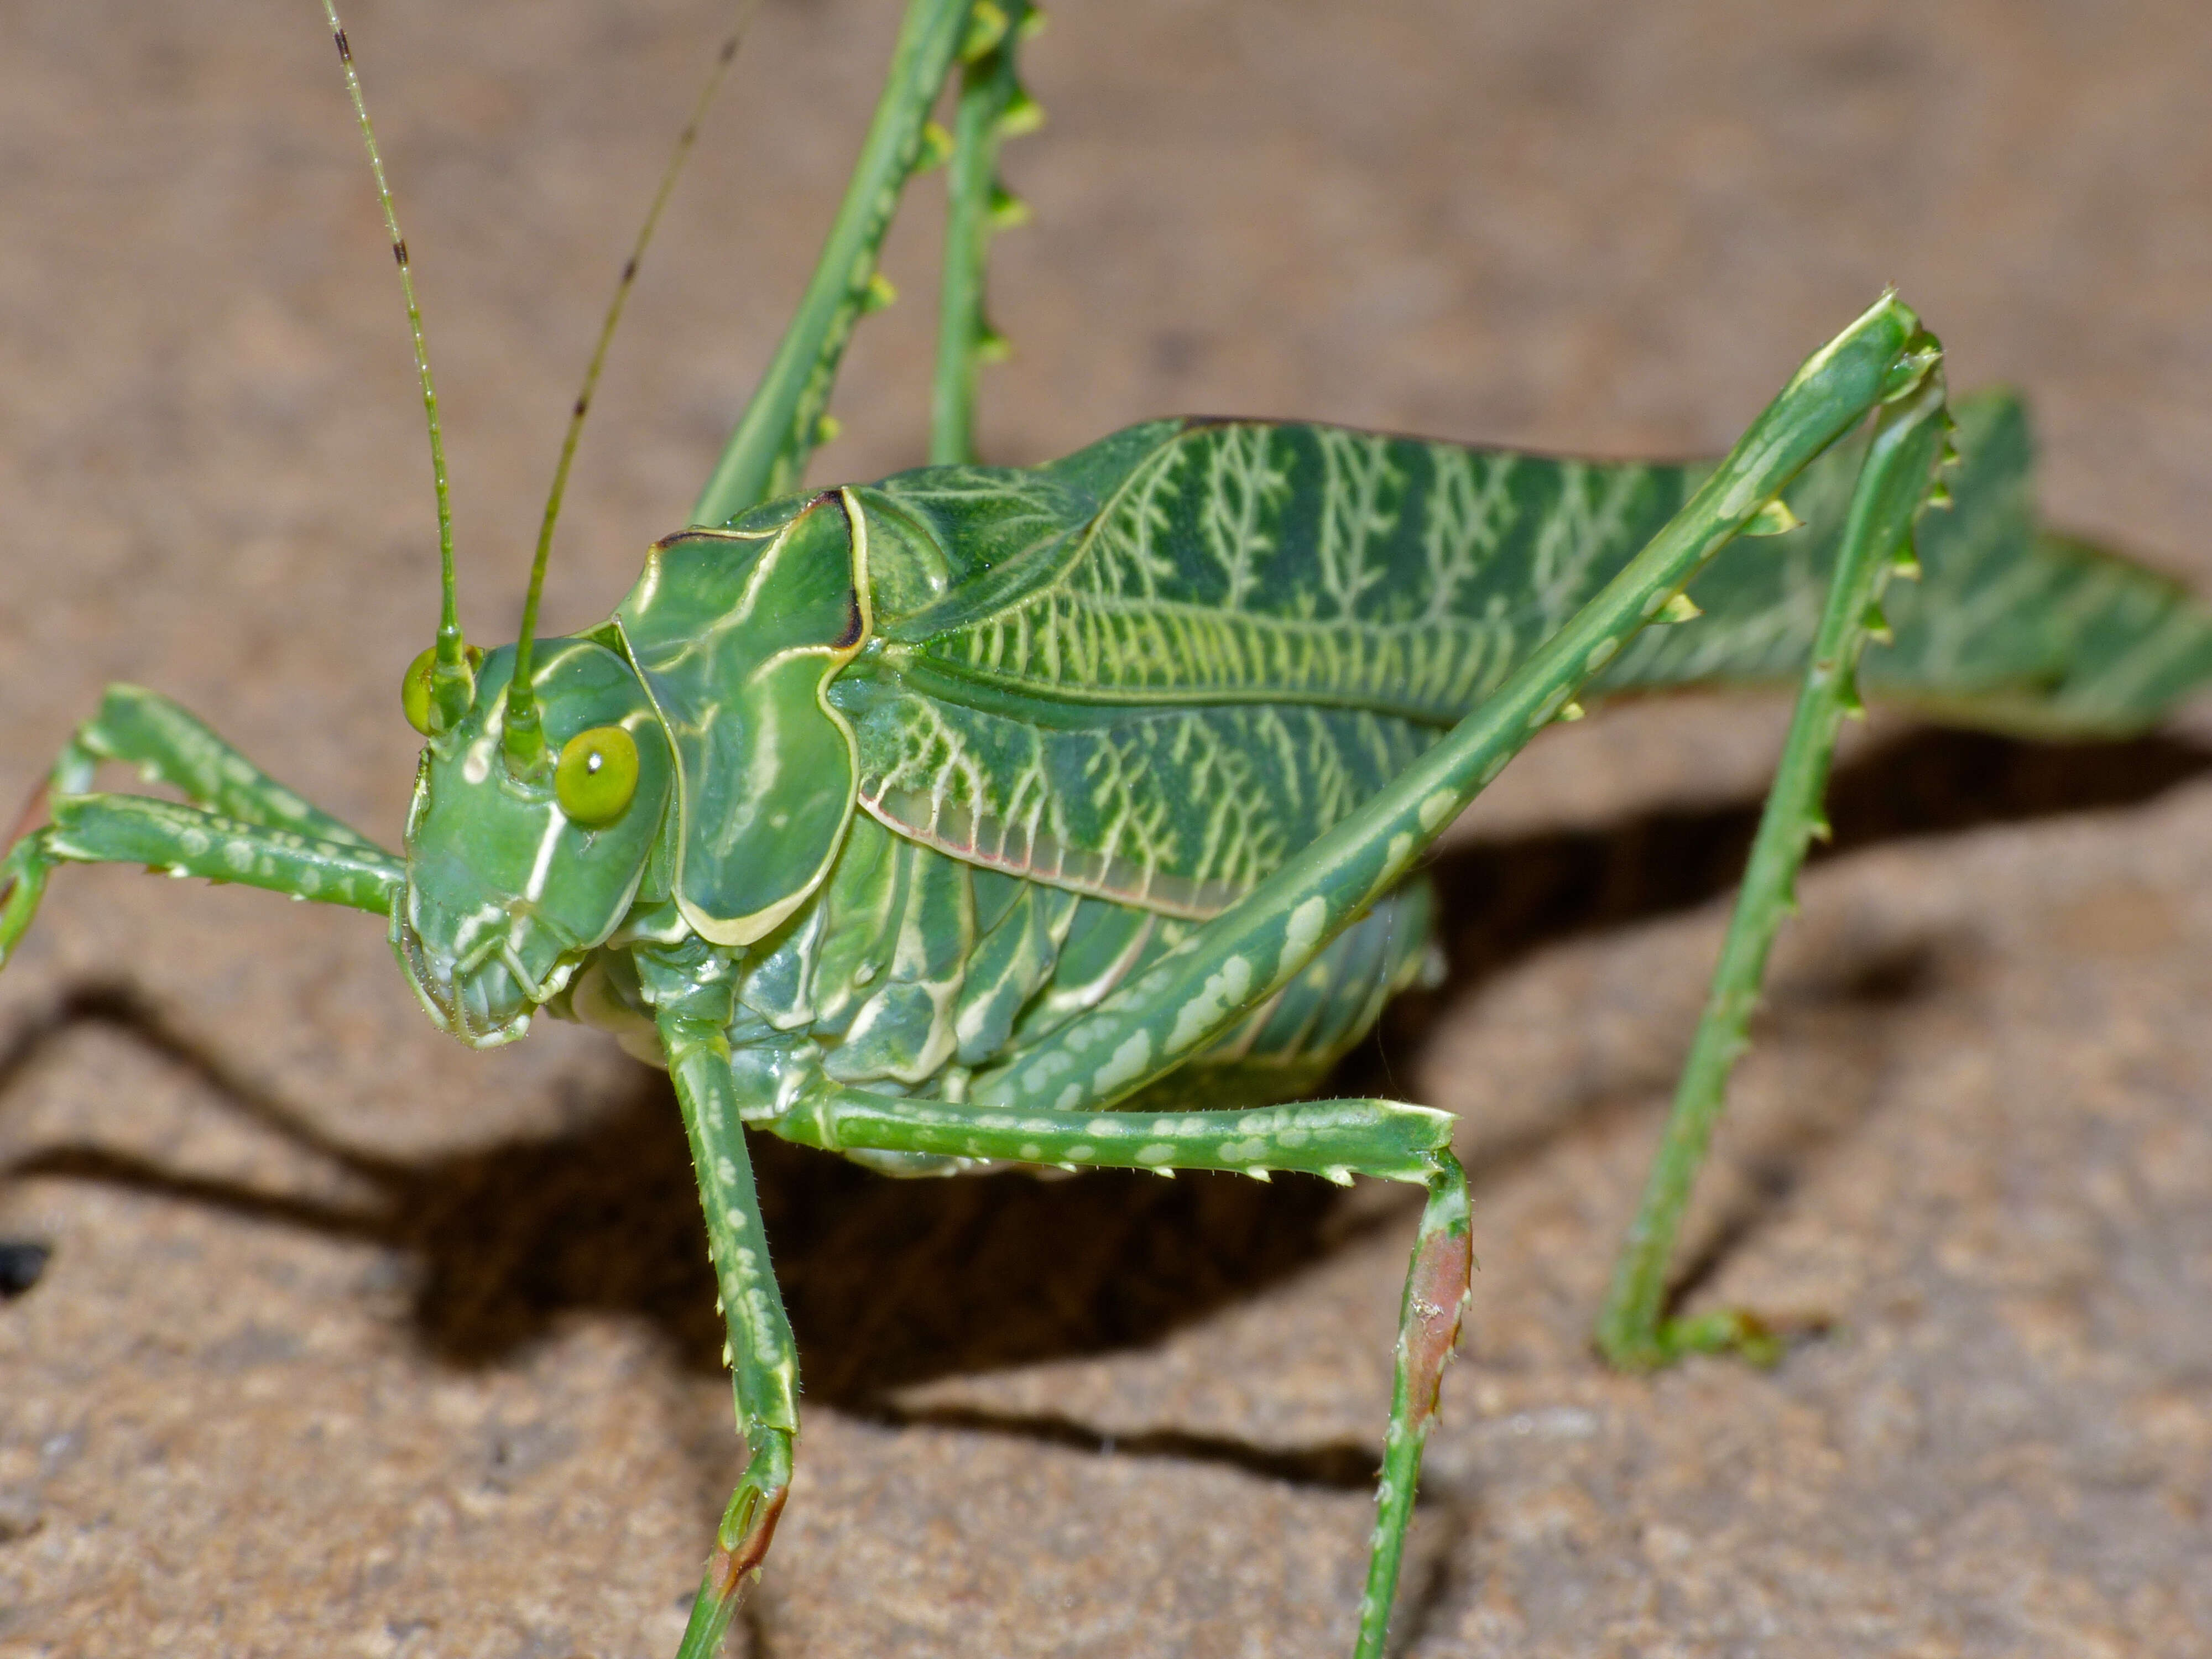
1893, 487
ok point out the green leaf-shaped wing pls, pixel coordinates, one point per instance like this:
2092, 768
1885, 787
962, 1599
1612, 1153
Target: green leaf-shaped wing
1158, 668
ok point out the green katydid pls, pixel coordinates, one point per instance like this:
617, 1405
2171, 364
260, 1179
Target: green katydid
1070, 816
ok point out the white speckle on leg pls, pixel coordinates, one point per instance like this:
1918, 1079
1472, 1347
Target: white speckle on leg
1303, 931
1225, 990
1128, 1064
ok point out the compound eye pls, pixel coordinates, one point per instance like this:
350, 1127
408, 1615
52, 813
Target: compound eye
415, 701
597, 775
415, 692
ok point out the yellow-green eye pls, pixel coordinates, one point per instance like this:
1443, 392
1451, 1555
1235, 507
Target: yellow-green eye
597, 775
414, 690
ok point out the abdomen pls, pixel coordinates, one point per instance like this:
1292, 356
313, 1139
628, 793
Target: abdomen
914, 969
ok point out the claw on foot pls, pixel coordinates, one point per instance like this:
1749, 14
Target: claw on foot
23, 883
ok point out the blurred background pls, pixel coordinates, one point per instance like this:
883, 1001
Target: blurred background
353, 1341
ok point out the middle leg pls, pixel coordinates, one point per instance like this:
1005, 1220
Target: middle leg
1334, 1139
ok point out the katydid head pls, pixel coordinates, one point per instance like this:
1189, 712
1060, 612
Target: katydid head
511, 879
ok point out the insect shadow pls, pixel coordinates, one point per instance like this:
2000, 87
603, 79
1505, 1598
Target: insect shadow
893, 1283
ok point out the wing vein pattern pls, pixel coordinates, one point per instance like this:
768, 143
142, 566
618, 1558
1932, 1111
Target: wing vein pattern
1156, 670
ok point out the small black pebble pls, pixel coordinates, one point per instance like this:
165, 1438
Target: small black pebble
21, 1261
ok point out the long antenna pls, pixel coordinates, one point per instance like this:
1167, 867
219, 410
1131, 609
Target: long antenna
451, 681
524, 737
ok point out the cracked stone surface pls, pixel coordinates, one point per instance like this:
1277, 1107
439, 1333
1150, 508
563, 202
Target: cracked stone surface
353, 1343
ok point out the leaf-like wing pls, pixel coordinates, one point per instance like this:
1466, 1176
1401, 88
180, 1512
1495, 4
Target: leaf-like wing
1251, 562
1158, 668
1180, 810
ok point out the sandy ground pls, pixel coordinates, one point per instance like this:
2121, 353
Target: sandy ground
353, 1343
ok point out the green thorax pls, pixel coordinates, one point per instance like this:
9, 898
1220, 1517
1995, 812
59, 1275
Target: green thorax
735, 634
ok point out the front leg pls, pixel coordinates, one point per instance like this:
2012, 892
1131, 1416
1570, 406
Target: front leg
243, 826
761, 1354
185, 841
170, 745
